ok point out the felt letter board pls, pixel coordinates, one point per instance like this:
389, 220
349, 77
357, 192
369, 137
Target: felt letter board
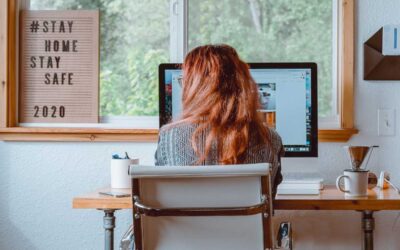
59, 67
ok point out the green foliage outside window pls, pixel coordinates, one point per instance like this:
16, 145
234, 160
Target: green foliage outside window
135, 40
270, 31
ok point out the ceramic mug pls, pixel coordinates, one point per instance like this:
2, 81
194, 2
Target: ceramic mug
355, 183
119, 172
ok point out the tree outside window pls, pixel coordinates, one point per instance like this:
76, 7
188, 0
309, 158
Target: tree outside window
135, 40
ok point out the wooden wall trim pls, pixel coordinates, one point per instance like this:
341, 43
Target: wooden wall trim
336, 135
346, 70
131, 135
12, 67
78, 134
3, 64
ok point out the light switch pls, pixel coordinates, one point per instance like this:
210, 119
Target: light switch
386, 122
390, 40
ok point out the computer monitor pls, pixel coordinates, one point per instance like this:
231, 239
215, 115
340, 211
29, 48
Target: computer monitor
288, 97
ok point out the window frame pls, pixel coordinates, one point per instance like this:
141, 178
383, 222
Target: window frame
10, 131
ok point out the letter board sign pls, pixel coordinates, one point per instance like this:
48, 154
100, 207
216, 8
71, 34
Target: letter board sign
59, 67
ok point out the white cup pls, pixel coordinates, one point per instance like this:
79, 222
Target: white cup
355, 183
119, 172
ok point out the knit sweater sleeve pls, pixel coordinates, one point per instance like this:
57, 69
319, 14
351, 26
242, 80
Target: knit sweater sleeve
160, 158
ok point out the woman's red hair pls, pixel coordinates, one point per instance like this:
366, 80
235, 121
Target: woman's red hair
220, 96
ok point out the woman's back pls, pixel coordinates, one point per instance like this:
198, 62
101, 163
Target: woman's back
175, 149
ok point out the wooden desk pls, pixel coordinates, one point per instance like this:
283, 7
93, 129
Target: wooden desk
329, 199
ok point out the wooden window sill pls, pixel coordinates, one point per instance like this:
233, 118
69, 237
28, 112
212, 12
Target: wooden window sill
78, 134
132, 135
336, 135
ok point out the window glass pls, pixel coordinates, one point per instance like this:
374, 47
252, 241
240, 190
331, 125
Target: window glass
135, 37
134, 41
271, 31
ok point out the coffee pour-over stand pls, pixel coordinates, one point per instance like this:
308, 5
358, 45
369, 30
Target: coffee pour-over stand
358, 154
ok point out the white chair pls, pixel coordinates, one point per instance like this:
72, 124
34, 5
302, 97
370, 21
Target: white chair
202, 207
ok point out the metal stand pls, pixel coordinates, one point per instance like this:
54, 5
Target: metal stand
368, 225
109, 225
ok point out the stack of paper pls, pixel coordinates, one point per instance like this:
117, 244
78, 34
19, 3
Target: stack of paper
301, 183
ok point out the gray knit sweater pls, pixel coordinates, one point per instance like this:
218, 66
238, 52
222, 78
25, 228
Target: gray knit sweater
175, 149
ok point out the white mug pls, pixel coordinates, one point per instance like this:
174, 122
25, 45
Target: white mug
355, 183
119, 172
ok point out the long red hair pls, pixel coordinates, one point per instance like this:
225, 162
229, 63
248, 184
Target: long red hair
220, 96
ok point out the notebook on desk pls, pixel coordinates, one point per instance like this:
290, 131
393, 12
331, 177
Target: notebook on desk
301, 183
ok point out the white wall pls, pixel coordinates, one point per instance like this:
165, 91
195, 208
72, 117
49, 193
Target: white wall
341, 230
37, 184
38, 180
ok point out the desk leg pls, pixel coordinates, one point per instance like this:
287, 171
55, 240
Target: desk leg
368, 225
109, 225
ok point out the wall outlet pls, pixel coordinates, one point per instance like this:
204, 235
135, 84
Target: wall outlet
386, 122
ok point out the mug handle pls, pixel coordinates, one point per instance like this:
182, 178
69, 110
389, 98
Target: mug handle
339, 185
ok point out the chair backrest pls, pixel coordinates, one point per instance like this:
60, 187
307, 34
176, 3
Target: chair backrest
202, 207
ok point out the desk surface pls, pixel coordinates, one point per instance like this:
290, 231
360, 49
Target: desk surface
329, 199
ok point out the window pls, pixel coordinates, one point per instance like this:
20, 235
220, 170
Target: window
134, 41
272, 31
138, 35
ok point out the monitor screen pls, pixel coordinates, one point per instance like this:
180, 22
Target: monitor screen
288, 97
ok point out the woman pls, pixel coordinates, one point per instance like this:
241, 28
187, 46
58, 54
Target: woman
219, 122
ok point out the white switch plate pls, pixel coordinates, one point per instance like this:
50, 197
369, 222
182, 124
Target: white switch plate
386, 122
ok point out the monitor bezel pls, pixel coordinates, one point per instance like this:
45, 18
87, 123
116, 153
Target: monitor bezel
303, 65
